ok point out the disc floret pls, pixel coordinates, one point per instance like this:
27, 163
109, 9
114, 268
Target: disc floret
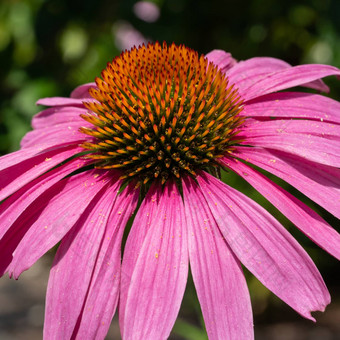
159, 112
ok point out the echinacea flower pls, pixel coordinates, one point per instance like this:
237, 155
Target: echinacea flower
152, 137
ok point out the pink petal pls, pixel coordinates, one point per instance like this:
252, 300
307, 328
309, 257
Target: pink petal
218, 277
297, 126
88, 294
155, 266
56, 135
306, 219
62, 101
222, 59
12, 208
58, 211
67, 289
287, 78
266, 248
58, 115
82, 91
102, 298
294, 105
318, 85
16, 176
247, 73
315, 141
19, 156
319, 182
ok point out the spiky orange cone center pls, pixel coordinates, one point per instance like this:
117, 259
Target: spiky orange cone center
160, 112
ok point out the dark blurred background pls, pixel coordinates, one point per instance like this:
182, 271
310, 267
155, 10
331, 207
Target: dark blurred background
48, 47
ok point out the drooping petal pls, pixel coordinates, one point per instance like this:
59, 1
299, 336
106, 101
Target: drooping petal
19, 156
12, 208
67, 289
217, 274
52, 215
222, 59
247, 73
287, 78
155, 266
266, 248
56, 135
102, 298
82, 91
16, 176
62, 101
319, 182
18, 212
313, 140
88, 294
58, 115
305, 218
297, 126
294, 105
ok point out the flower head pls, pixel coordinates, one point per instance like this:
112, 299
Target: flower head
158, 128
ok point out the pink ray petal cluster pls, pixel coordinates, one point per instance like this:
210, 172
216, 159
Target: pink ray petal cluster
51, 194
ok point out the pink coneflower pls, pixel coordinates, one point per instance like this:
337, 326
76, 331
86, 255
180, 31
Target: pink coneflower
152, 136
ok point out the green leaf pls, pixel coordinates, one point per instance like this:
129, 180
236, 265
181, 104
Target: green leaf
189, 331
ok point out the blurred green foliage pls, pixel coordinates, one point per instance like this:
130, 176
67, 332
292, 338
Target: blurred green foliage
48, 47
